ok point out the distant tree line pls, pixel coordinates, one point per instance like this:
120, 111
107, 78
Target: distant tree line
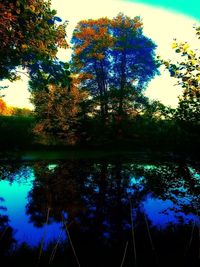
6, 110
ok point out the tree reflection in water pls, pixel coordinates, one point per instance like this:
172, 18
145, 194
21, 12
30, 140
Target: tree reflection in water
96, 200
6, 233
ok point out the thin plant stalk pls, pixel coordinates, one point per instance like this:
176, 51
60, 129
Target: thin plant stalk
55, 248
199, 241
124, 255
44, 235
151, 241
191, 237
133, 234
198, 231
4, 232
149, 234
71, 243
192, 233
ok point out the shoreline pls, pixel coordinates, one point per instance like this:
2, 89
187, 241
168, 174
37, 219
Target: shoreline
77, 153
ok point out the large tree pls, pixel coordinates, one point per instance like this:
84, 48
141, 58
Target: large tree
114, 60
30, 35
30, 32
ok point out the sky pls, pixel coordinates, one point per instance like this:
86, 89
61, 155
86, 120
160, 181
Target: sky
163, 21
187, 7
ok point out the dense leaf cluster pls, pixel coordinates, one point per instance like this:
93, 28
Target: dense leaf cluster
29, 32
187, 72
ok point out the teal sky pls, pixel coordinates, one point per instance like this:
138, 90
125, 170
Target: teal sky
187, 7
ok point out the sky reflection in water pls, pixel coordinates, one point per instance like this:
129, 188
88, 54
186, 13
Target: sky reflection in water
160, 210
15, 196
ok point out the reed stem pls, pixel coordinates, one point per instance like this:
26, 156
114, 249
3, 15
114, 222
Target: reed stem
124, 255
133, 234
55, 248
71, 243
44, 235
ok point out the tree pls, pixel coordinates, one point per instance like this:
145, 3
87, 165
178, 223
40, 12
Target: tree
113, 59
187, 72
90, 62
133, 61
56, 100
29, 33
60, 108
4, 109
22, 112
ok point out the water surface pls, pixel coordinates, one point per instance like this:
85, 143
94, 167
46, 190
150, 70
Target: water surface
100, 212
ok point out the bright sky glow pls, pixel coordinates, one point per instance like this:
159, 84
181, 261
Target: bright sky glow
17, 93
162, 23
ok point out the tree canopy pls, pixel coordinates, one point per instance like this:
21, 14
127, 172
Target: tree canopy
30, 32
113, 60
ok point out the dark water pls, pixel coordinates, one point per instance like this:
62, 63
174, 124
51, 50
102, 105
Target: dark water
100, 213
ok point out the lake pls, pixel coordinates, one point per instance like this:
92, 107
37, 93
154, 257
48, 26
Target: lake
100, 212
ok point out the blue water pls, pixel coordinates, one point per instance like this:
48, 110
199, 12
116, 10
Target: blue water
173, 203
15, 199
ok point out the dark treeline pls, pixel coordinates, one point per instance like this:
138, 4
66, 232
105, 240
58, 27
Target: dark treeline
140, 133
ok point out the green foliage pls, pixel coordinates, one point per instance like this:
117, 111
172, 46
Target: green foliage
16, 132
56, 100
57, 111
158, 111
187, 72
21, 112
29, 32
